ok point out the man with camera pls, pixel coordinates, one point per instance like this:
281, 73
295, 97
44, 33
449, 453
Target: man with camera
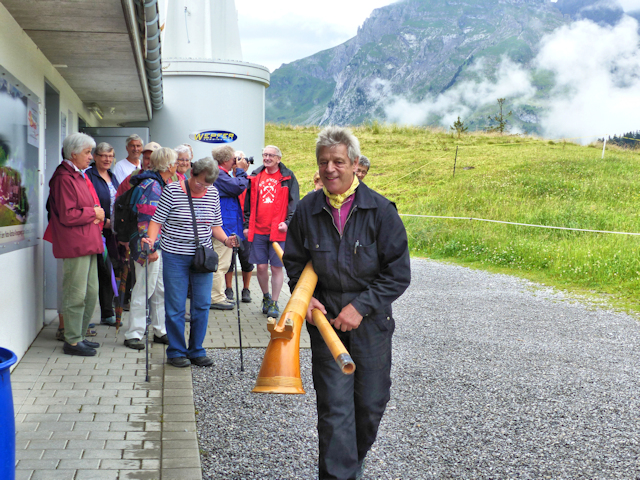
229, 188
243, 163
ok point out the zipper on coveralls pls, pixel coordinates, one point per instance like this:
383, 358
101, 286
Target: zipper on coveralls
326, 209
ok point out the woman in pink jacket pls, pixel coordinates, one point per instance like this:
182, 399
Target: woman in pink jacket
74, 229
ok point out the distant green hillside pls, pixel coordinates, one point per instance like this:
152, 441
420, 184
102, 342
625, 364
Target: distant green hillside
505, 178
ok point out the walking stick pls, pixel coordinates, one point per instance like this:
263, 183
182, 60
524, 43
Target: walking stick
122, 286
148, 316
235, 270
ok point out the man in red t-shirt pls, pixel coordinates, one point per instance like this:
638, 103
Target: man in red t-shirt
271, 200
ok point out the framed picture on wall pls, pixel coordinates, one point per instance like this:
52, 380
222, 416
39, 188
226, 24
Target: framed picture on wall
19, 161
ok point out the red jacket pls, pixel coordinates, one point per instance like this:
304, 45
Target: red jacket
71, 229
287, 198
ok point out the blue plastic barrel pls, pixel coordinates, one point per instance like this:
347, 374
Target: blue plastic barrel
7, 422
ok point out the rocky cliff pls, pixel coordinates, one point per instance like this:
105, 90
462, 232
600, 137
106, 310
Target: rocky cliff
412, 49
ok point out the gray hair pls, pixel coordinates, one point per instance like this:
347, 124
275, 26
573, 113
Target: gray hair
207, 165
275, 148
190, 150
163, 159
184, 149
132, 138
223, 154
364, 161
333, 136
75, 143
103, 147
239, 154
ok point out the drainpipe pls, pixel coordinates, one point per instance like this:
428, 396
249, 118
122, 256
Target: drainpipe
149, 25
145, 42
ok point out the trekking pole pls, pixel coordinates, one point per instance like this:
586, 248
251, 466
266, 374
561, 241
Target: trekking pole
235, 271
148, 316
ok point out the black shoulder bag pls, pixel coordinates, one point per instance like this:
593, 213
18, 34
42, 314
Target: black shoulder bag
205, 260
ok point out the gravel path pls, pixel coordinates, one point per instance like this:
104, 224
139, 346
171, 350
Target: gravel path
494, 377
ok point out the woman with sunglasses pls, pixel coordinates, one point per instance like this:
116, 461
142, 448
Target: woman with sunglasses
178, 246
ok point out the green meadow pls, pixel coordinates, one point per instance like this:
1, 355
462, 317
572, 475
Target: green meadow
504, 178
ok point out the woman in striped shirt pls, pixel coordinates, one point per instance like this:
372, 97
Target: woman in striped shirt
178, 246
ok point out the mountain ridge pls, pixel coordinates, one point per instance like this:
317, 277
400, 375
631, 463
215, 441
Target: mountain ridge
415, 49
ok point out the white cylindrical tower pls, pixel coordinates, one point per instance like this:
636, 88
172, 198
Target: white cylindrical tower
207, 87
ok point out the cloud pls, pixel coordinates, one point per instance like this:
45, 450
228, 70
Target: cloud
281, 31
287, 38
629, 5
597, 84
465, 97
597, 71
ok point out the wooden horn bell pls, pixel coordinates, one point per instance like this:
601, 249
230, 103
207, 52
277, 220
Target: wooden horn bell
280, 370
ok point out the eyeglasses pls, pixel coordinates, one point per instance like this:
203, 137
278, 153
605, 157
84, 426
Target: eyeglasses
270, 155
183, 160
202, 185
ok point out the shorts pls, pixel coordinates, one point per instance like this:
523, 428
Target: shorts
262, 251
243, 256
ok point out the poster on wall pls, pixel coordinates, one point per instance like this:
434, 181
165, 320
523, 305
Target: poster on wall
63, 127
32, 123
19, 174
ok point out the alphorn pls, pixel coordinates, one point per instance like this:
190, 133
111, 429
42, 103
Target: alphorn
280, 370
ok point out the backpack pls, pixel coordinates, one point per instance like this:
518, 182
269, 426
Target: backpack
125, 214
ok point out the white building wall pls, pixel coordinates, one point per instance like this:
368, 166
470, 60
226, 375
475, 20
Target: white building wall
22, 272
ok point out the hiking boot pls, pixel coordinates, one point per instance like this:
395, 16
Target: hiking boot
163, 339
246, 295
202, 361
79, 349
134, 343
229, 293
179, 362
273, 310
90, 333
60, 334
110, 321
266, 302
221, 306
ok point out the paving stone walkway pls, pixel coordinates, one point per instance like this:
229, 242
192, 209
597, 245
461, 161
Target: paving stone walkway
97, 418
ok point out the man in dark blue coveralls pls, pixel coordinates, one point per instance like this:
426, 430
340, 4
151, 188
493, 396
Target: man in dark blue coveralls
358, 246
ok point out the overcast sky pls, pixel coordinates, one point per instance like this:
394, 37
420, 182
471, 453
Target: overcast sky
274, 32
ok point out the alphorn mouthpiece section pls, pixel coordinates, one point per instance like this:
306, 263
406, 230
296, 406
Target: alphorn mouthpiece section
346, 364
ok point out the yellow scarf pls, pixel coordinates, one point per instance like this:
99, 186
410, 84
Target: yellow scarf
338, 199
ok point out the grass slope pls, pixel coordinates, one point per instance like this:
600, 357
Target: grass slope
513, 179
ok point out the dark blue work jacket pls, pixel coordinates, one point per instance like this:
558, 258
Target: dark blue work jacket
367, 266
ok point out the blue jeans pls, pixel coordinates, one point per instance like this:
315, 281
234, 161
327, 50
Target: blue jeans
176, 276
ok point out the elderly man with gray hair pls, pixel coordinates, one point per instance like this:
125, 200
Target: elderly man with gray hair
125, 167
363, 167
357, 245
230, 187
149, 186
272, 196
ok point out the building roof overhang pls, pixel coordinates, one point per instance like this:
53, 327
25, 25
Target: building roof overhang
104, 50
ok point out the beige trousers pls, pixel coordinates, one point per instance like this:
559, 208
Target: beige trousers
224, 261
